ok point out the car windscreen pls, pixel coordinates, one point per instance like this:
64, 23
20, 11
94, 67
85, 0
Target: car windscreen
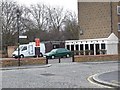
19, 48
62, 50
54, 50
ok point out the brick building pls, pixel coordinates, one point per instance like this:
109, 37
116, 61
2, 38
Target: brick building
99, 24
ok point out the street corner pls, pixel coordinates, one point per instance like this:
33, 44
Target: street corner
109, 79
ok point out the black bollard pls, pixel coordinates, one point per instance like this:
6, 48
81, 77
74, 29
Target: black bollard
46, 60
59, 59
73, 59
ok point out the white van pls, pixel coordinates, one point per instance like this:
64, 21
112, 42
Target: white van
28, 50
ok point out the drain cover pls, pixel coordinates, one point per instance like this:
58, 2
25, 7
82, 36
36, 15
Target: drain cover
48, 74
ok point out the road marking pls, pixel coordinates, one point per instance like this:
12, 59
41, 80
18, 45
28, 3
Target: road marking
103, 86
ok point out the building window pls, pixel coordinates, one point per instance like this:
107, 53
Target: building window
118, 26
86, 49
118, 10
81, 46
92, 49
86, 46
81, 49
103, 46
97, 49
68, 47
77, 49
56, 46
72, 47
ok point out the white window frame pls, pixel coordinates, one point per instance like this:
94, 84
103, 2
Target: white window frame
118, 27
118, 10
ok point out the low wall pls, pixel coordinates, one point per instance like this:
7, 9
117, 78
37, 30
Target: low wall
37, 61
96, 58
23, 61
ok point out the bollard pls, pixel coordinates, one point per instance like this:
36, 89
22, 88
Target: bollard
73, 59
46, 60
59, 59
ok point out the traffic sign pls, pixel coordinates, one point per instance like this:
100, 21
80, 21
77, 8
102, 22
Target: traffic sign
22, 36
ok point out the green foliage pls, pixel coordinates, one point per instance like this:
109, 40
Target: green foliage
81, 52
87, 52
102, 51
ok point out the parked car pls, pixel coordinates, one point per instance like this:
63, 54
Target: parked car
59, 52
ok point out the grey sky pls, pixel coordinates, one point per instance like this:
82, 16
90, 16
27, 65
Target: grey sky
66, 4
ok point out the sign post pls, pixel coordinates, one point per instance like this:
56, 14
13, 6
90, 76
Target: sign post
18, 27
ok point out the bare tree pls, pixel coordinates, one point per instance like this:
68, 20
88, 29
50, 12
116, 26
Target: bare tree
9, 22
71, 27
39, 16
56, 17
49, 23
0, 26
35, 20
26, 21
46, 23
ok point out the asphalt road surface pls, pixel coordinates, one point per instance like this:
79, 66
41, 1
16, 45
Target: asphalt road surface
59, 75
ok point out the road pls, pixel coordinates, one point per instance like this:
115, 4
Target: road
59, 75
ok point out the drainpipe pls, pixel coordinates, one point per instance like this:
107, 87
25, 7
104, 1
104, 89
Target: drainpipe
111, 16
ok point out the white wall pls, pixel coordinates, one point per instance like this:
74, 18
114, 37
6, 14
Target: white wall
112, 48
111, 43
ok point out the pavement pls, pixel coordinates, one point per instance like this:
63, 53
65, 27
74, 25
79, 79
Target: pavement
111, 79
25, 67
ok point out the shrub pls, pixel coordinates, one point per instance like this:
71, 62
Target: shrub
102, 51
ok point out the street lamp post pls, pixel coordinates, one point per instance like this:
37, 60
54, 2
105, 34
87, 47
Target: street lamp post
18, 18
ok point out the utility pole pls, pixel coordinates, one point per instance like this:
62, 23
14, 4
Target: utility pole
18, 19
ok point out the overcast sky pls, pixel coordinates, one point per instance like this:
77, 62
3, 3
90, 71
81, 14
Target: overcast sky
66, 4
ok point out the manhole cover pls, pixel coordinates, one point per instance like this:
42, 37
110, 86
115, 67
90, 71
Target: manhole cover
48, 74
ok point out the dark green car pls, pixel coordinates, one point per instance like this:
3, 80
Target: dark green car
59, 52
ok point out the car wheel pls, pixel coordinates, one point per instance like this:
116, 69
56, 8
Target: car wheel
67, 55
15, 57
41, 55
52, 57
22, 56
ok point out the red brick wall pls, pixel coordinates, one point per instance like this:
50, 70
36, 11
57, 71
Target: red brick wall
96, 58
24, 61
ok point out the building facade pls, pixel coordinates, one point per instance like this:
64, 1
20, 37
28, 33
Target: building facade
99, 30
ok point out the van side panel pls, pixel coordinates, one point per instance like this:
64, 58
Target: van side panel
42, 48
